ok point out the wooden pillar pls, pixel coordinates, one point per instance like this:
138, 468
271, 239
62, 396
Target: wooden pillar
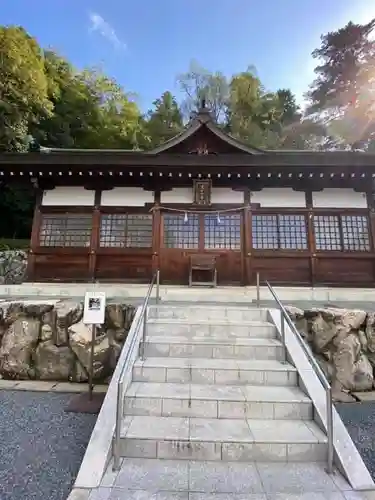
247, 246
95, 236
370, 196
35, 236
311, 237
156, 233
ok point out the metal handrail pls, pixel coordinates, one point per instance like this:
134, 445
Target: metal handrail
142, 318
284, 316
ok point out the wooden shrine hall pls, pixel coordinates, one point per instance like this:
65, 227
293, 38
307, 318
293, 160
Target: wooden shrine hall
297, 217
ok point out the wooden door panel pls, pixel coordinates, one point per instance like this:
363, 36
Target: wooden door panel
174, 266
282, 270
61, 267
229, 267
127, 267
344, 271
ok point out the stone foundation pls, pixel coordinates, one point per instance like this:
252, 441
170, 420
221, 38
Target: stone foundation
48, 341
13, 265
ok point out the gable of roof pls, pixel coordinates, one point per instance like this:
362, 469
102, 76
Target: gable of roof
204, 120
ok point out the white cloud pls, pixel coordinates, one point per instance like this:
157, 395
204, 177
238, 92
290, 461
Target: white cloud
101, 26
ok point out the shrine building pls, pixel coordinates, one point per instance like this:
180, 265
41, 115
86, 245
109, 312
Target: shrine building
296, 217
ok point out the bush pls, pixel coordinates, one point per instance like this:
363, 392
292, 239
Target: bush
9, 244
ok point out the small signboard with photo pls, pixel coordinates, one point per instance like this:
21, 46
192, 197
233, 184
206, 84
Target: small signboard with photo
94, 308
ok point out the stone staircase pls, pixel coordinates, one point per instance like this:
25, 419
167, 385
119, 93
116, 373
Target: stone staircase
215, 386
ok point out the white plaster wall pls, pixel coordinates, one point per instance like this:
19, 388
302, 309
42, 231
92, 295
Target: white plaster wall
177, 195
69, 196
127, 197
279, 197
226, 195
339, 198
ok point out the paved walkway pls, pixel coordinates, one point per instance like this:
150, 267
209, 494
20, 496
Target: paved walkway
146, 479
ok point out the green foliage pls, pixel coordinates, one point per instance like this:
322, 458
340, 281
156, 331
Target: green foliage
165, 120
23, 87
7, 244
342, 96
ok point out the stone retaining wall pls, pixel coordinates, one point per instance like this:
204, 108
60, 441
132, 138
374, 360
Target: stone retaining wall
48, 341
343, 342
13, 264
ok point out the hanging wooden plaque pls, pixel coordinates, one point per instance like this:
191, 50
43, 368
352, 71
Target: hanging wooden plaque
202, 192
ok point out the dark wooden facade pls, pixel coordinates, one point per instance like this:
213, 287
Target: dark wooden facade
288, 246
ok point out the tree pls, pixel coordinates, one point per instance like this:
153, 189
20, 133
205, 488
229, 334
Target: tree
343, 94
164, 120
291, 112
90, 110
197, 84
23, 87
253, 113
347, 60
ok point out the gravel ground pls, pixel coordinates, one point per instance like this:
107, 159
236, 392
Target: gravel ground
359, 419
41, 446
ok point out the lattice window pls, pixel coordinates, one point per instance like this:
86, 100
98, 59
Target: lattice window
292, 232
274, 232
265, 234
181, 231
65, 230
355, 233
126, 231
223, 231
327, 232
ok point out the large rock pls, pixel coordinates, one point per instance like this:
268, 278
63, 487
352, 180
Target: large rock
344, 360
332, 325
17, 346
298, 317
343, 341
53, 362
80, 339
118, 319
370, 331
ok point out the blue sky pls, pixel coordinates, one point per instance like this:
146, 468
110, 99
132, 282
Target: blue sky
145, 44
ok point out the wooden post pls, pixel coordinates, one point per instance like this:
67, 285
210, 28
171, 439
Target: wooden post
310, 236
246, 246
156, 234
95, 236
370, 196
91, 367
35, 236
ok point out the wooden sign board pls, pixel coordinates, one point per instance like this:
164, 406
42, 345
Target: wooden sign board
202, 192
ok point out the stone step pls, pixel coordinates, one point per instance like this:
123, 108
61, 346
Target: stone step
215, 401
215, 371
211, 328
222, 439
201, 347
208, 312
